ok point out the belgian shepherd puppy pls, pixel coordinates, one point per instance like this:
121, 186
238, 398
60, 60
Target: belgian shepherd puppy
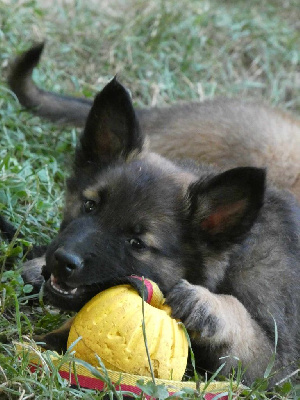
223, 246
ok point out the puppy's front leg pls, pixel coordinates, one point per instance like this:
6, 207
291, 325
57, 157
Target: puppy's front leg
32, 272
57, 339
223, 325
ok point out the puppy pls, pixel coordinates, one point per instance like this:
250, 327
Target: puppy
223, 247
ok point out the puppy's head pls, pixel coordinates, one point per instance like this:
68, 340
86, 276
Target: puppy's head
132, 212
122, 208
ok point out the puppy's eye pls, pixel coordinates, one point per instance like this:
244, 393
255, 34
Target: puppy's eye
89, 206
136, 244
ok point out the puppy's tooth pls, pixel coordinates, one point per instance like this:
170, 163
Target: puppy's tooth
73, 291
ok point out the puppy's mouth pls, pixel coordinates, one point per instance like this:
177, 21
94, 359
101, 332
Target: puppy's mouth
71, 298
64, 289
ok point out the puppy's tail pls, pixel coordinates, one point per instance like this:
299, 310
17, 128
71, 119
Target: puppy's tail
55, 107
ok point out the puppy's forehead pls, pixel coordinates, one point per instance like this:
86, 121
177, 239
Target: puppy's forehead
154, 175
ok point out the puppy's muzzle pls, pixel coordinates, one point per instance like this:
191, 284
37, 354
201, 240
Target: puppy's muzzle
68, 262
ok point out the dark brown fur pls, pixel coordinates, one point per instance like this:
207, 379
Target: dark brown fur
224, 250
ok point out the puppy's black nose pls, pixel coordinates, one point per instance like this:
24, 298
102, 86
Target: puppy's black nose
68, 260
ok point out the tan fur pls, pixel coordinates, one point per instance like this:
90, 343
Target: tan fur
230, 133
225, 132
237, 333
65, 326
150, 240
57, 338
235, 325
91, 194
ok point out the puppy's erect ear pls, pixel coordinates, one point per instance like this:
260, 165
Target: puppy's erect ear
224, 207
112, 130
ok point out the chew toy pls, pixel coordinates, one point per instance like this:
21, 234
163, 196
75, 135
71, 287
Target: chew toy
110, 325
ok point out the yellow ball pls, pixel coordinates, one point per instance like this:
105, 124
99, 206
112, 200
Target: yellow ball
111, 326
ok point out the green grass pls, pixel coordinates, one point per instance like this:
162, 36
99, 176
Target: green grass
164, 51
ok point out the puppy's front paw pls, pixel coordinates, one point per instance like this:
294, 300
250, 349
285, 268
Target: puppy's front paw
32, 270
195, 307
56, 340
